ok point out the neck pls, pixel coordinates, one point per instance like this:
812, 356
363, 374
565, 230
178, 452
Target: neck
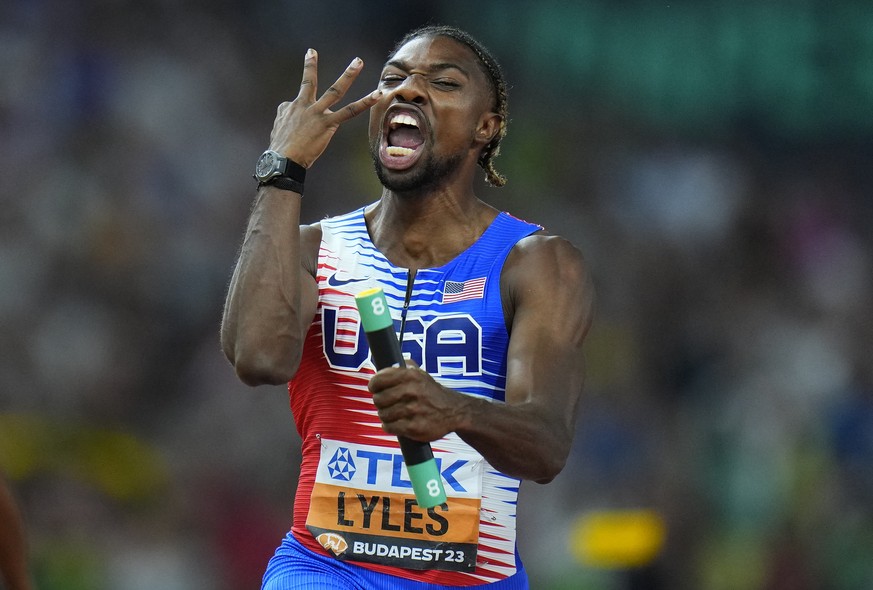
427, 230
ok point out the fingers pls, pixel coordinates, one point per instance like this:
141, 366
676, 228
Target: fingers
336, 92
309, 84
393, 376
339, 88
359, 106
304, 126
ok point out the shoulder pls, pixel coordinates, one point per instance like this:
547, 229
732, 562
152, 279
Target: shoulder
541, 268
544, 255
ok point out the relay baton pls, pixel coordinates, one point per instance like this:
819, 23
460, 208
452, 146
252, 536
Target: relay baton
385, 348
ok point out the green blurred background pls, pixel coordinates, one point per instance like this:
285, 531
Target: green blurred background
712, 159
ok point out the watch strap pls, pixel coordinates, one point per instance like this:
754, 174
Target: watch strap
294, 171
285, 183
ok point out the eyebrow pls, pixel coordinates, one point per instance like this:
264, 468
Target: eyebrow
436, 67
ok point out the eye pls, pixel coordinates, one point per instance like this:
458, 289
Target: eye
446, 83
391, 79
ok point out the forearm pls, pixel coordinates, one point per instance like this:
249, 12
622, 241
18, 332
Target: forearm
261, 334
527, 437
518, 440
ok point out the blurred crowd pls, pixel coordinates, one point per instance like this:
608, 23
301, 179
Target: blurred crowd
730, 383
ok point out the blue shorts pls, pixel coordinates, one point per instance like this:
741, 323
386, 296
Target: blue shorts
294, 567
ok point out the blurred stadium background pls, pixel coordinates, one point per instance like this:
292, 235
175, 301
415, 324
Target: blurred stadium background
713, 159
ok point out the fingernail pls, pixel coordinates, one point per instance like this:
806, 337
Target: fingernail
376, 93
356, 63
310, 52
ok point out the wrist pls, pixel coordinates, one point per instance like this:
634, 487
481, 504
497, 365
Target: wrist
463, 414
274, 169
292, 155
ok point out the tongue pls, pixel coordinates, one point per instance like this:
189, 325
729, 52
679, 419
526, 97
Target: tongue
408, 137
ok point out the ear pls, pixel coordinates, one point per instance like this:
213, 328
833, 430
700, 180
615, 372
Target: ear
488, 128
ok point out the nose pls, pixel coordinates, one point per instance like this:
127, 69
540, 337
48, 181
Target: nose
411, 90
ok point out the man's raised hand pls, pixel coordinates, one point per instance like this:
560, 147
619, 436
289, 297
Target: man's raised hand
304, 126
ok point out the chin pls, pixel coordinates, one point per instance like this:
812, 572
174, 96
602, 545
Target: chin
425, 174
405, 182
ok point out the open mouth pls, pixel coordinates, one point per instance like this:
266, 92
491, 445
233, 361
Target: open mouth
402, 139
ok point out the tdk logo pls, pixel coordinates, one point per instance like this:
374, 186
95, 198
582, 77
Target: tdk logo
341, 465
381, 468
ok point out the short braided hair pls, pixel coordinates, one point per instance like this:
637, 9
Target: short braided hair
498, 87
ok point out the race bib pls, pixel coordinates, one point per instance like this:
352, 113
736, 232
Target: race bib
363, 509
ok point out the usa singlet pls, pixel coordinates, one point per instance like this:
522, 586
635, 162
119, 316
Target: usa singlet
354, 500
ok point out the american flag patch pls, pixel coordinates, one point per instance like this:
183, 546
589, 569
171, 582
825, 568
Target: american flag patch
461, 291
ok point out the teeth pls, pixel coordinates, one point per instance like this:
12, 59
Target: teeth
403, 119
396, 150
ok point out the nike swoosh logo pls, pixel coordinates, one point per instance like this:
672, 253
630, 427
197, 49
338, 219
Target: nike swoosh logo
333, 281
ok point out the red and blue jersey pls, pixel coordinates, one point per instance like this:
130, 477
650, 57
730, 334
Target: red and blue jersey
354, 501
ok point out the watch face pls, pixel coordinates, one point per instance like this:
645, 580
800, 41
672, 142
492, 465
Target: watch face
266, 165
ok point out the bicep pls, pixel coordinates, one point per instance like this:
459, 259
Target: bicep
552, 301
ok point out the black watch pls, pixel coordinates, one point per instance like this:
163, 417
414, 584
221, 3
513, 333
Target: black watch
276, 170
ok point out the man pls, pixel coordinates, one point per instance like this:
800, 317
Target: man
14, 573
491, 310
